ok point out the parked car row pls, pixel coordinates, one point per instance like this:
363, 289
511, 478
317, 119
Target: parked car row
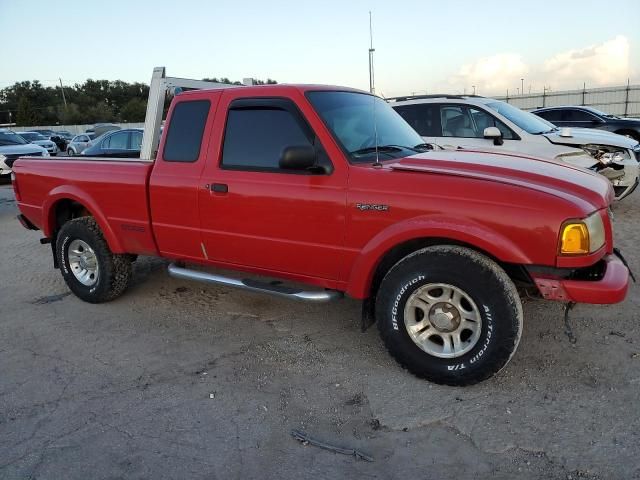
13, 146
479, 123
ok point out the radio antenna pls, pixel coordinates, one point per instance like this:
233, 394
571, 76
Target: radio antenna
372, 86
375, 133
372, 90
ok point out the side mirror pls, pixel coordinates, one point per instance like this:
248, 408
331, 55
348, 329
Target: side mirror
495, 134
299, 157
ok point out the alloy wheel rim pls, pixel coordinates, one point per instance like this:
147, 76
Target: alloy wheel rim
83, 262
442, 320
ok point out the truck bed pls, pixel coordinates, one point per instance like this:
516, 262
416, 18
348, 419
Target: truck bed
117, 185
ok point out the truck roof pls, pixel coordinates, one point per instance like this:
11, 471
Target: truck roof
283, 88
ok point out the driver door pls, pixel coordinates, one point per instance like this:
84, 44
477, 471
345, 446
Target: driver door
255, 214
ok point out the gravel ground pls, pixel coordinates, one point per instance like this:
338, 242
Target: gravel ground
180, 380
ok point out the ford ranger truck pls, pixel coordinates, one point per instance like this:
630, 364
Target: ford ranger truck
330, 188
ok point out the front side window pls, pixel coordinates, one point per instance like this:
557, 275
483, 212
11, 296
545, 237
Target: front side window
365, 125
456, 122
575, 115
255, 137
186, 128
423, 117
481, 120
117, 141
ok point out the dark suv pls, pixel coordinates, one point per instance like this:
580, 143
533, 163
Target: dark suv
587, 117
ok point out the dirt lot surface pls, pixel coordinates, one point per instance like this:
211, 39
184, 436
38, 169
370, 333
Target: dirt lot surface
180, 380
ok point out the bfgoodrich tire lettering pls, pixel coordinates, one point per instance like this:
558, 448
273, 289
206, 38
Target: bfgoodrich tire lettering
489, 293
112, 272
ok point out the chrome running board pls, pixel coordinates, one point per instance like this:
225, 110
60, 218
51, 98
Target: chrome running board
315, 296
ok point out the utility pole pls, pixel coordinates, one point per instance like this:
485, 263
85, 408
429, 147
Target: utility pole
522, 85
63, 97
626, 100
372, 87
474, 89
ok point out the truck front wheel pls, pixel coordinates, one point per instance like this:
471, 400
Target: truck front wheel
450, 315
92, 272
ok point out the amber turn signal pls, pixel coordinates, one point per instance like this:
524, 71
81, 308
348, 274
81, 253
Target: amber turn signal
574, 239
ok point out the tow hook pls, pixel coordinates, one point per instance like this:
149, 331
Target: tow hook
618, 254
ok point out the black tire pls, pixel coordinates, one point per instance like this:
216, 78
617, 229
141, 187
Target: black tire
483, 281
70, 152
114, 271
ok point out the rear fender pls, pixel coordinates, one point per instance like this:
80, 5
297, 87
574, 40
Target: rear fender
455, 230
69, 192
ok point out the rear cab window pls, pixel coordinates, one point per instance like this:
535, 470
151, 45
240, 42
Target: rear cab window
186, 129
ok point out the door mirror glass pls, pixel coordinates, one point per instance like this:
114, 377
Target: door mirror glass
495, 134
299, 157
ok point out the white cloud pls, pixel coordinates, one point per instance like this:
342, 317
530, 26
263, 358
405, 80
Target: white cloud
596, 65
495, 73
602, 64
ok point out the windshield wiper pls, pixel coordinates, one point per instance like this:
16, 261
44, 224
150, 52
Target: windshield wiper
423, 147
379, 148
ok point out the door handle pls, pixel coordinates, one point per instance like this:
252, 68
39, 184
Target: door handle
219, 187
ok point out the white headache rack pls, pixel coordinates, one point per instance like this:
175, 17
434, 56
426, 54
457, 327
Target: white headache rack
160, 86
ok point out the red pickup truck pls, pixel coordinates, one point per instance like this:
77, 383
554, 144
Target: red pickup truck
329, 187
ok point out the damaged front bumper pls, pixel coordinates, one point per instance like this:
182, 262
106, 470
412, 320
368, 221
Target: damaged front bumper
606, 282
624, 180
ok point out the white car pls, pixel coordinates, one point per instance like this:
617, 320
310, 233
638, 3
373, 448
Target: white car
13, 146
39, 139
473, 122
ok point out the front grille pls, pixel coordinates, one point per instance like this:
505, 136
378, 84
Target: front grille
13, 157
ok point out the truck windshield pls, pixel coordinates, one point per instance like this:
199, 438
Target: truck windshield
528, 122
10, 138
355, 119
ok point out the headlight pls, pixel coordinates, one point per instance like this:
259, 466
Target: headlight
579, 237
637, 148
619, 156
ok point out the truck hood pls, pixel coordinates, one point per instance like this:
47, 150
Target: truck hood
559, 179
586, 136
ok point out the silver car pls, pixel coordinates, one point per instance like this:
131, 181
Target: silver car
79, 143
38, 139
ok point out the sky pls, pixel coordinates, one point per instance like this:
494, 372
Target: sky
421, 46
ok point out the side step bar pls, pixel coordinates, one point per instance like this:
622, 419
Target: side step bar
318, 296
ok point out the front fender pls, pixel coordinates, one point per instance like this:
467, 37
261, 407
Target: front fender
460, 230
70, 192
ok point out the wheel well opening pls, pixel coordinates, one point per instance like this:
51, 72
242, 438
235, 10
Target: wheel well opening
517, 273
66, 210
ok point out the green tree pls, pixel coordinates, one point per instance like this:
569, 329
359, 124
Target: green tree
134, 110
26, 116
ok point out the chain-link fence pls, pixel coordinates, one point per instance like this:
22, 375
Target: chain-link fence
623, 101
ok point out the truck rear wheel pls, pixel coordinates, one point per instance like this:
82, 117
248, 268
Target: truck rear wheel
92, 272
450, 315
